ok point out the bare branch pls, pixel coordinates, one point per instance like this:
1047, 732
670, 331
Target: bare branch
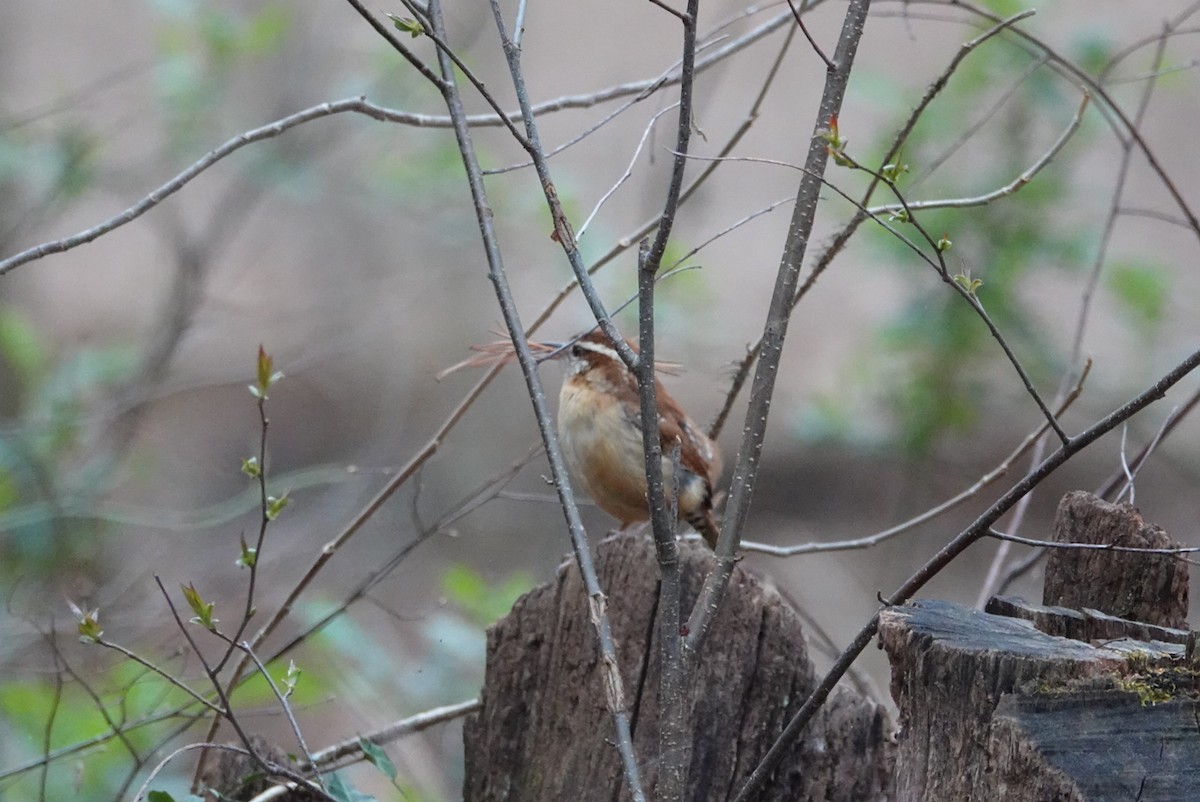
1052, 544
984, 481
674, 745
141, 794
357, 105
628, 170
396, 42
775, 328
1002, 192
287, 711
397, 729
829, 65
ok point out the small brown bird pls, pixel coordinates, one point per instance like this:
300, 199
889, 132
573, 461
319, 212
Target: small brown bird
599, 426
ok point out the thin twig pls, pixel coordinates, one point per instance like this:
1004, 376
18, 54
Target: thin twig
684, 18
113, 725
469, 74
1053, 544
490, 489
287, 711
1002, 192
519, 23
356, 105
770, 207
931, 167
263, 523
178, 683
982, 482
396, 42
1110, 222
628, 170
141, 794
226, 706
48, 732
829, 65
397, 729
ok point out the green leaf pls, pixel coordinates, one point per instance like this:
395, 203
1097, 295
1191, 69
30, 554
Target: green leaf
159, 796
374, 754
266, 374
291, 679
276, 505
894, 170
969, 284
248, 557
1142, 289
87, 623
202, 609
408, 25
342, 791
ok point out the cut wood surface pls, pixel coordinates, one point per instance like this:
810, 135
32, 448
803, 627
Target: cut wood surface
545, 734
1085, 624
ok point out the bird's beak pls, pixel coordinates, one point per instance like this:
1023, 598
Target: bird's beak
550, 350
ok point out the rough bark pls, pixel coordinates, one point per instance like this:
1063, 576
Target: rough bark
544, 733
1142, 587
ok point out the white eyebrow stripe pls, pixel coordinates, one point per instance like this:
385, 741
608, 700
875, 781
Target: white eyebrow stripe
599, 349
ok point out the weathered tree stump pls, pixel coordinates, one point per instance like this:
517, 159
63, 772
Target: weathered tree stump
544, 732
1045, 702
1141, 587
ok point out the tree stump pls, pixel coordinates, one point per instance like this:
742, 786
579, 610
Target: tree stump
1046, 702
544, 732
1141, 587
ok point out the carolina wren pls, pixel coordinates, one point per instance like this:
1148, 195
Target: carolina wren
599, 427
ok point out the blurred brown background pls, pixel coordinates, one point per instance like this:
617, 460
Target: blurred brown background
348, 248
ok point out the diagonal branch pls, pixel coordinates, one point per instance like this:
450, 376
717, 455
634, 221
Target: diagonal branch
775, 330
615, 695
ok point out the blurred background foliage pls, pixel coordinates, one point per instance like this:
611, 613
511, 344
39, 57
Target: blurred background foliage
348, 247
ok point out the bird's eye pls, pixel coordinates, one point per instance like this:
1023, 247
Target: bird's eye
577, 350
